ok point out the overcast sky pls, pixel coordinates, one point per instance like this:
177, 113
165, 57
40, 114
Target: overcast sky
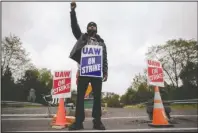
127, 28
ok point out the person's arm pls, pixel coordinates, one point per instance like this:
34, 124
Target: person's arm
74, 23
105, 63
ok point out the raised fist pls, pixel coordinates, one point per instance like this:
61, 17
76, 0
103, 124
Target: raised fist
73, 5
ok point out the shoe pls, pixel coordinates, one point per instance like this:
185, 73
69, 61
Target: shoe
75, 126
98, 125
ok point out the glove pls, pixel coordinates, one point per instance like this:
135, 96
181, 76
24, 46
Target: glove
73, 5
105, 78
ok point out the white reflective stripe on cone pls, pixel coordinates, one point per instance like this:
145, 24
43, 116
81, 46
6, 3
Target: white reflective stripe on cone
157, 96
53, 100
158, 105
56, 100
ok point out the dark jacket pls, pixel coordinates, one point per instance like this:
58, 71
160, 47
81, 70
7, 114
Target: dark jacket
82, 39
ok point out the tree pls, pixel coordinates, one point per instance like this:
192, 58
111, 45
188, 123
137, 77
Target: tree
137, 80
7, 85
28, 81
130, 95
188, 74
143, 94
36, 79
189, 79
123, 99
113, 101
45, 77
139, 90
174, 56
14, 56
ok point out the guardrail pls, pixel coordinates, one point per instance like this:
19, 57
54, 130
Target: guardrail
167, 107
185, 101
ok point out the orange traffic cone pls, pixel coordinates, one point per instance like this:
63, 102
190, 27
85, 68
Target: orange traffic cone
69, 119
159, 116
60, 121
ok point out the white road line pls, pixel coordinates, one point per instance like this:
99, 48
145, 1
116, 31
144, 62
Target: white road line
46, 115
86, 119
89, 118
122, 130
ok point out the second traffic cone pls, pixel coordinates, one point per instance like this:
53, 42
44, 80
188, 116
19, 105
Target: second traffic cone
69, 119
60, 121
159, 116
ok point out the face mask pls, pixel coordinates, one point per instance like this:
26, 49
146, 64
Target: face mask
91, 32
91, 28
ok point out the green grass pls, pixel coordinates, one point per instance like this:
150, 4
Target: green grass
20, 105
184, 106
30, 106
173, 106
138, 106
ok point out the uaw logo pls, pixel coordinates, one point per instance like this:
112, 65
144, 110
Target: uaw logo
91, 61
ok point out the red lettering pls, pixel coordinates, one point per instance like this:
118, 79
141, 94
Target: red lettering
56, 74
61, 74
153, 63
62, 89
66, 74
156, 77
149, 62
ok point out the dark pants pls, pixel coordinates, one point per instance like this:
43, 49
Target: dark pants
81, 89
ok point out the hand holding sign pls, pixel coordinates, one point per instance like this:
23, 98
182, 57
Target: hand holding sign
104, 78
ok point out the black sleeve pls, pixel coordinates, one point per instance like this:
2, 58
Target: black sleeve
74, 25
105, 60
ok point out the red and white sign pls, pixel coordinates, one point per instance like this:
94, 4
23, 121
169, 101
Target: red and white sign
61, 84
155, 75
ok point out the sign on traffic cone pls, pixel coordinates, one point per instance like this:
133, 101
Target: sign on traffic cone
159, 117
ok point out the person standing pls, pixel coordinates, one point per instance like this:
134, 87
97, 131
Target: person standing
83, 39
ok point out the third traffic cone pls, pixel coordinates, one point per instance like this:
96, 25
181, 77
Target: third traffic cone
159, 116
60, 121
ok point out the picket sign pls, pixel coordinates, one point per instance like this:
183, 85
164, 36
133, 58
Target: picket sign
91, 61
61, 84
155, 75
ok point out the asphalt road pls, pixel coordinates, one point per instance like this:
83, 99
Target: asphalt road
111, 112
124, 124
114, 120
